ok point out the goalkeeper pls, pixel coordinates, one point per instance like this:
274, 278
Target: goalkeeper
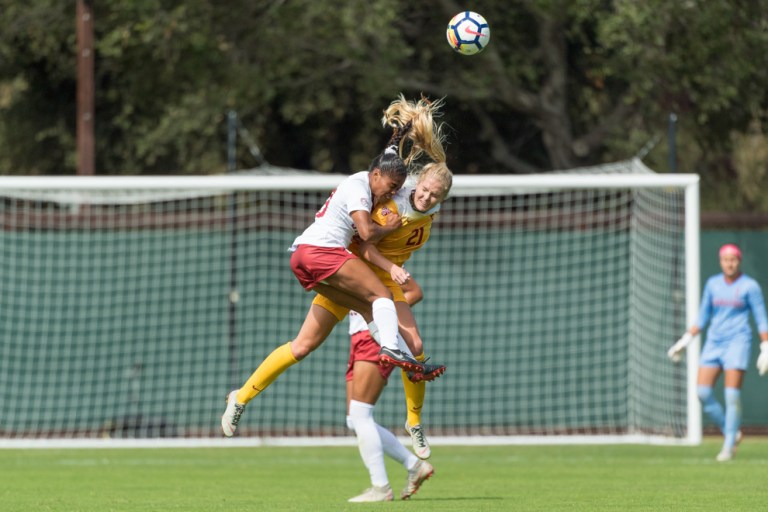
727, 301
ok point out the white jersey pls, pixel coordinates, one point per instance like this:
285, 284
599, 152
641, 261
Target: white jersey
356, 323
333, 225
402, 201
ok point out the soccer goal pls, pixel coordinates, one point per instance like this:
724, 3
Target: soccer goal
131, 305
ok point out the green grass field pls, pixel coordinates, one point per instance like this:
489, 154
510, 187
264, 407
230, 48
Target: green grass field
506, 478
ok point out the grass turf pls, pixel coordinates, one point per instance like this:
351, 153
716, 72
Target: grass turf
500, 478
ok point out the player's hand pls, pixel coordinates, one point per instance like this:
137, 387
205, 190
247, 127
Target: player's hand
675, 351
392, 221
399, 274
762, 359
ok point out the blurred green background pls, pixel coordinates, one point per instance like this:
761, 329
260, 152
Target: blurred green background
561, 84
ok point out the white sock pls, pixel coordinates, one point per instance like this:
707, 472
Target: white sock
368, 441
403, 346
395, 448
385, 317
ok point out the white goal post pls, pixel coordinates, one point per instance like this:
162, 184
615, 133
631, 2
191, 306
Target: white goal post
130, 306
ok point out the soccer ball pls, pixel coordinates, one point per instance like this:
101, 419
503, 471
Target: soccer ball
468, 33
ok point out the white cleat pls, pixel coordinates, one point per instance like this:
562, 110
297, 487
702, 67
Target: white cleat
419, 441
232, 413
417, 476
374, 494
724, 455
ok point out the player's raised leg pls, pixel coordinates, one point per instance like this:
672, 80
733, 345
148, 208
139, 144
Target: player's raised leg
318, 324
276, 363
343, 289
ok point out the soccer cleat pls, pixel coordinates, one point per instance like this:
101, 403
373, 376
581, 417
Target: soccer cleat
374, 494
724, 455
388, 356
430, 373
417, 476
232, 413
419, 441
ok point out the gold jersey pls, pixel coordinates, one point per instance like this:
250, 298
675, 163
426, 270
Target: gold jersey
414, 232
397, 246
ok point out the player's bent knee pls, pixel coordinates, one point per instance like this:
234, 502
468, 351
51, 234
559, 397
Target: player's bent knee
302, 348
374, 289
704, 392
376, 300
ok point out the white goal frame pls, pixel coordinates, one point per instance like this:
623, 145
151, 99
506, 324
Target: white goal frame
464, 186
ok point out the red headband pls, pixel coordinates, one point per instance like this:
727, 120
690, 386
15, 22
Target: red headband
730, 249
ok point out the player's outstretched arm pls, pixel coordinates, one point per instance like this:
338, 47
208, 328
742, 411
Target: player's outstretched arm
675, 352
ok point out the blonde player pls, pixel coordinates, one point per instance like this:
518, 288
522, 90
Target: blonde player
416, 206
321, 262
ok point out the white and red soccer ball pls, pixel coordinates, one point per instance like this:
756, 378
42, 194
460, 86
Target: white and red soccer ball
468, 33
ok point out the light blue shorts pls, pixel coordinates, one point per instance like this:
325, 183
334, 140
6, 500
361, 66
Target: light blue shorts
730, 354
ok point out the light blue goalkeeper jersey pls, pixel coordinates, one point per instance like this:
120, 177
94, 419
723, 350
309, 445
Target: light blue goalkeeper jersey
726, 306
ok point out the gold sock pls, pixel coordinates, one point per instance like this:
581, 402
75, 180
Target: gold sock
270, 369
414, 396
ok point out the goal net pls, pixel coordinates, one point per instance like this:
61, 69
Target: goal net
131, 305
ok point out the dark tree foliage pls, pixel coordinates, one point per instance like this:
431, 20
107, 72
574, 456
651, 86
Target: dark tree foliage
561, 84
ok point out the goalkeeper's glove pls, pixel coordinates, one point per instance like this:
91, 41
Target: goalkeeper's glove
762, 359
676, 350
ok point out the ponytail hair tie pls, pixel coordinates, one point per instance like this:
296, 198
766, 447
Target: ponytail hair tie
391, 150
